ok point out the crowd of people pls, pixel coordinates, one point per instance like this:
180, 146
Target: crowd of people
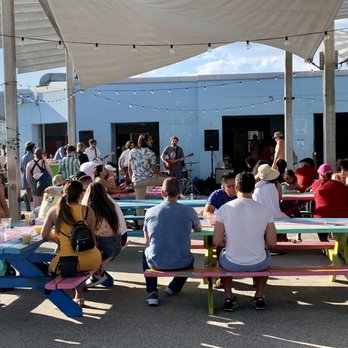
243, 209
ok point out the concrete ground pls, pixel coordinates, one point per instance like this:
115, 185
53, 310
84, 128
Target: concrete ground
300, 312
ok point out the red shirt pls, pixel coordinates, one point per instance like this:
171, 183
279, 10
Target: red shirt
331, 199
305, 176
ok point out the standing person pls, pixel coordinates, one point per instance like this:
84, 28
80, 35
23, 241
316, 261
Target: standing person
81, 156
279, 151
143, 167
69, 165
33, 170
306, 174
330, 196
26, 158
243, 227
172, 156
92, 151
60, 153
124, 159
63, 217
167, 232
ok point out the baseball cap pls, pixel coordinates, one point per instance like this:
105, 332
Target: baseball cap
110, 168
278, 134
324, 168
58, 180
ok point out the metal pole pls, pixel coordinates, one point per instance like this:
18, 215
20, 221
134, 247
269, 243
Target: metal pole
11, 116
288, 111
70, 78
329, 112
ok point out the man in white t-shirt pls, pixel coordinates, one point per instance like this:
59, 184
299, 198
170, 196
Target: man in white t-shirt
92, 151
245, 228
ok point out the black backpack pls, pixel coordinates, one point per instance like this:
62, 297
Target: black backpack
81, 236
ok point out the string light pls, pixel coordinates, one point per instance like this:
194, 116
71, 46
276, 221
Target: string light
22, 41
286, 41
248, 45
59, 46
326, 36
209, 49
134, 49
171, 49
96, 47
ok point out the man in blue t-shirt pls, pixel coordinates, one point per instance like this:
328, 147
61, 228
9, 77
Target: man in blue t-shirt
167, 231
220, 197
217, 199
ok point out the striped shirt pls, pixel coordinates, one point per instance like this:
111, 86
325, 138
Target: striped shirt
69, 166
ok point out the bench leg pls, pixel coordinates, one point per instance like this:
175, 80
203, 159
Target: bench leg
210, 296
64, 303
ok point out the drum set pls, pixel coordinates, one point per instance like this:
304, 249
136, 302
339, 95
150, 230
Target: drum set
187, 186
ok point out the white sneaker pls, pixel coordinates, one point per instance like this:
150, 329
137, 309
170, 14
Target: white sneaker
96, 280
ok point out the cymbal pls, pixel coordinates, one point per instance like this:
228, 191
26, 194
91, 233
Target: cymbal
192, 162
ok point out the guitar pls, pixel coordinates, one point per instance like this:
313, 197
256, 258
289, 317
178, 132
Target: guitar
101, 159
172, 163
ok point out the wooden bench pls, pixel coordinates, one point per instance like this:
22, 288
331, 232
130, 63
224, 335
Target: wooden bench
73, 282
274, 271
310, 245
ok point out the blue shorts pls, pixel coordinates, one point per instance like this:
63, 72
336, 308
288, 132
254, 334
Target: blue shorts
234, 267
109, 246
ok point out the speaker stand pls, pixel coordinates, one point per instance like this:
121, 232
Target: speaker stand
212, 175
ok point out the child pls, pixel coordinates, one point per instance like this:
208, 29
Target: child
291, 207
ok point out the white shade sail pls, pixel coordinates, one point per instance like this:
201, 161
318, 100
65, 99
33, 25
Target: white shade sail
188, 25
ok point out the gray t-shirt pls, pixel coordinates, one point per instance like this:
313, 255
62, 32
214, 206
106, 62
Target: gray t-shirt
169, 227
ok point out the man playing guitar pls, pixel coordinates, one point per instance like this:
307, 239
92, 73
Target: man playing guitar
172, 156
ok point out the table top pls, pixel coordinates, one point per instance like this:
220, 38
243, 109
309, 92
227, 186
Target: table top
298, 196
296, 225
148, 203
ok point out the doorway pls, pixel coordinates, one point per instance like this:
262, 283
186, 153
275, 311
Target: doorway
237, 132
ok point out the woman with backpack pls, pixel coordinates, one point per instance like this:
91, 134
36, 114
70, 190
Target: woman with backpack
108, 228
63, 217
33, 171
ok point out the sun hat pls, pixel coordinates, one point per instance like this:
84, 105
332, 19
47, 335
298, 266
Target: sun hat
110, 168
265, 172
324, 168
278, 134
58, 180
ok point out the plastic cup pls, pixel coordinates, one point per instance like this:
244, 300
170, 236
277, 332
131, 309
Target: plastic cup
37, 229
27, 218
26, 238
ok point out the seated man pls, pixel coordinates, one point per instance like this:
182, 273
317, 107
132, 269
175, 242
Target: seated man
243, 226
215, 201
221, 196
167, 231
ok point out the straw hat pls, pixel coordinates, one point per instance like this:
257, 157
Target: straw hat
265, 172
110, 168
278, 134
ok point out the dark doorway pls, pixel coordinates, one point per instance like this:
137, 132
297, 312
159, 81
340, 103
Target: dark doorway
239, 130
85, 136
55, 136
131, 131
341, 136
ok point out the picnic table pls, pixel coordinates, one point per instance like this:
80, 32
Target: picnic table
298, 196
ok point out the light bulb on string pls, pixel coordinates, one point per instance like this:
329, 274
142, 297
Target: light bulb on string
286, 41
209, 49
59, 46
21, 42
134, 92
326, 36
248, 45
171, 49
96, 47
134, 49
152, 92
116, 92
99, 92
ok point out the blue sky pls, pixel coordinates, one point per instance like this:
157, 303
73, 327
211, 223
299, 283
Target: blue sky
230, 59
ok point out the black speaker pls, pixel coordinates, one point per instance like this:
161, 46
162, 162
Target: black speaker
211, 140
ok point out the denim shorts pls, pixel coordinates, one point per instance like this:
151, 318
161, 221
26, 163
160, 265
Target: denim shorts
109, 246
234, 267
